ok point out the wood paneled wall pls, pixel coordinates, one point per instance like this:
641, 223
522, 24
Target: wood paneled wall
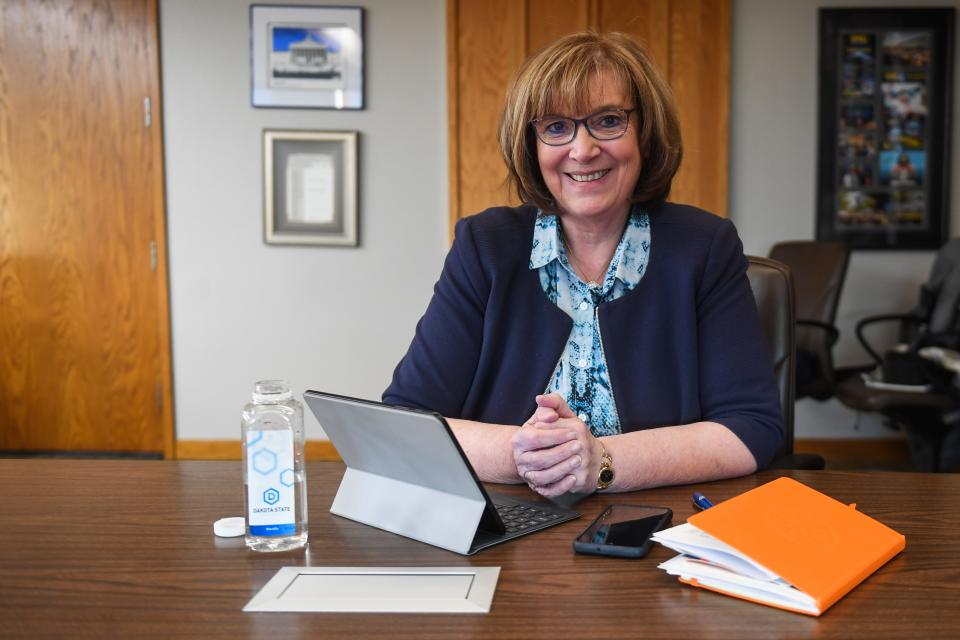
488, 39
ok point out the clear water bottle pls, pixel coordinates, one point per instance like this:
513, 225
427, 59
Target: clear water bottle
274, 479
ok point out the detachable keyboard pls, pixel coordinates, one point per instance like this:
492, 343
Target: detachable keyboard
520, 517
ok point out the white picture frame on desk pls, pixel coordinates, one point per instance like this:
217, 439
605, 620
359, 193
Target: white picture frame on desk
378, 590
310, 187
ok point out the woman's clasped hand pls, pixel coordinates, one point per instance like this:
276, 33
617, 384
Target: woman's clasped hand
554, 451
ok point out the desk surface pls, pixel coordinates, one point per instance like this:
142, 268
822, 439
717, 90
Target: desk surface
125, 548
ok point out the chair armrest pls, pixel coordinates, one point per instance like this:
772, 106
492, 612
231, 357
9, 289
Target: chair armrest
902, 317
844, 373
832, 333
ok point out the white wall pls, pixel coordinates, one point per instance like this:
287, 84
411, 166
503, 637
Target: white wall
773, 176
336, 319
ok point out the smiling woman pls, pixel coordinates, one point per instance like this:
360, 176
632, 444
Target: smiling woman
617, 330
591, 171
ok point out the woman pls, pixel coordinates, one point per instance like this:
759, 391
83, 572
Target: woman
596, 338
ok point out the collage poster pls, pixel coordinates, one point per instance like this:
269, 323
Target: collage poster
882, 130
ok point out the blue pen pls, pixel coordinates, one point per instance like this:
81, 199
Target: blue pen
700, 501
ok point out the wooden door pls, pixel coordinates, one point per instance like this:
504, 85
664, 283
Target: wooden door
488, 39
84, 330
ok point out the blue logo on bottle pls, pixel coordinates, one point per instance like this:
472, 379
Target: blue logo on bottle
271, 496
264, 461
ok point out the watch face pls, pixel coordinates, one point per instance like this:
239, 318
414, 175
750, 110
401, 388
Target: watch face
606, 475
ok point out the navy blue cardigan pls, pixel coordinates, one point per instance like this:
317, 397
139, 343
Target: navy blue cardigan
685, 345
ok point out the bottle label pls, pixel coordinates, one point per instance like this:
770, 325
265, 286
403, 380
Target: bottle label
270, 483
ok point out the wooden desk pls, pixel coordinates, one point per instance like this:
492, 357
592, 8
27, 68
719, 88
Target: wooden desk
126, 549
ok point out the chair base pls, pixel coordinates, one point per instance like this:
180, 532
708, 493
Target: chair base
809, 461
934, 449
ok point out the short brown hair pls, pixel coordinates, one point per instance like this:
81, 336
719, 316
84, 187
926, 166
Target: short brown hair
558, 76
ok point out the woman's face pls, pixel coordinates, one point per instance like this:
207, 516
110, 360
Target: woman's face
593, 179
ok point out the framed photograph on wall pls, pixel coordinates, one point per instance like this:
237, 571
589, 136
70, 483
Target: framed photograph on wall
307, 57
886, 96
310, 187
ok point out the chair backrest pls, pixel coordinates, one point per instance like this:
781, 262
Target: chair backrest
940, 296
772, 285
819, 269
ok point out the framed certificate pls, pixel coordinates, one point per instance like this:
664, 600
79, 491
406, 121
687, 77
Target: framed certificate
885, 107
310, 57
310, 187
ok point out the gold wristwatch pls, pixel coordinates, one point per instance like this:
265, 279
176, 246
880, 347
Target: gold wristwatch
606, 475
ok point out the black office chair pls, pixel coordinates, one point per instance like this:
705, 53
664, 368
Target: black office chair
818, 269
930, 419
772, 286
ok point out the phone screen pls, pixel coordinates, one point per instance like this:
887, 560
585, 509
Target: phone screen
625, 526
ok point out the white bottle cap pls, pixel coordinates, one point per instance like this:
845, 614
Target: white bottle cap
230, 527
271, 391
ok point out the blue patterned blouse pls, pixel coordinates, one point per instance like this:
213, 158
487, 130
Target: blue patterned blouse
581, 375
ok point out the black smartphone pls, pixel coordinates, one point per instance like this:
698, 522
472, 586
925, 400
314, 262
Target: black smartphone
623, 530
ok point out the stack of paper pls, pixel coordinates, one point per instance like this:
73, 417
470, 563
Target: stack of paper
782, 544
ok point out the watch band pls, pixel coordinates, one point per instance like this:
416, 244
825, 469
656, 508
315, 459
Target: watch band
606, 475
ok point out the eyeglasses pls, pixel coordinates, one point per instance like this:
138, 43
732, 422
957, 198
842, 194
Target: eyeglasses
608, 124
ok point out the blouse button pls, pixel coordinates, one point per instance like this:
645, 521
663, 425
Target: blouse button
584, 306
582, 362
583, 417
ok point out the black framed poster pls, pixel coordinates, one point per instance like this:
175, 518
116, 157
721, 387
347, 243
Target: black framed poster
884, 131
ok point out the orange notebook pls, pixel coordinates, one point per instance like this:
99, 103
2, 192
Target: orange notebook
782, 544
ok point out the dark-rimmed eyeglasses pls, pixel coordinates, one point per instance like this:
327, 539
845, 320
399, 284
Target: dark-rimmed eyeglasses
608, 124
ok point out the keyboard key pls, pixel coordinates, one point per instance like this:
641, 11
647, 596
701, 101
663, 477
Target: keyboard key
520, 517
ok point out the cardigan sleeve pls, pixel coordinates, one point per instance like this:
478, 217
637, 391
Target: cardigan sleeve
437, 371
737, 385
